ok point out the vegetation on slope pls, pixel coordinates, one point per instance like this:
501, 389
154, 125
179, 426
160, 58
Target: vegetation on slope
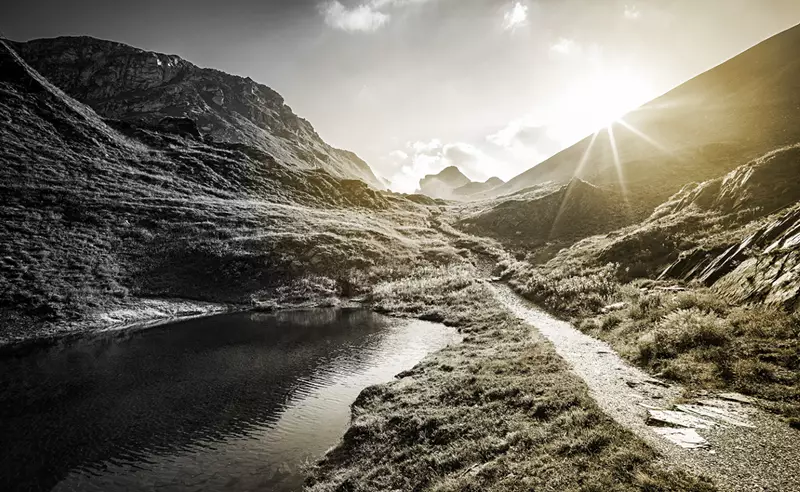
715, 328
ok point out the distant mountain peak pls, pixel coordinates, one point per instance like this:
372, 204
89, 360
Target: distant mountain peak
442, 184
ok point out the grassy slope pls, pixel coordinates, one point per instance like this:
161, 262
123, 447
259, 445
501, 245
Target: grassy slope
500, 411
695, 337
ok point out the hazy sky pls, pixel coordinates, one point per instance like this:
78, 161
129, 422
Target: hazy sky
412, 86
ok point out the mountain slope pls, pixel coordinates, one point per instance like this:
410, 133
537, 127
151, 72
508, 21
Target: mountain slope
133, 85
99, 219
744, 107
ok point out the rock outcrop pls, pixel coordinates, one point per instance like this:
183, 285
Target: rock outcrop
765, 265
441, 185
770, 273
128, 84
760, 187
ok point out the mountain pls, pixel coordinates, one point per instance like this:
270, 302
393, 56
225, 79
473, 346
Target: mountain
475, 187
441, 185
452, 184
136, 86
739, 110
105, 221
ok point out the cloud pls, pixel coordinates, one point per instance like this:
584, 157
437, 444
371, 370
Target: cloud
398, 155
632, 12
526, 140
431, 147
565, 46
368, 16
421, 158
515, 17
363, 18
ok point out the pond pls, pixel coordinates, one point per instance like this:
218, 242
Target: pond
231, 402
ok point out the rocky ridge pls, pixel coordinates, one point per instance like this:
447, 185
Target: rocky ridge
142, 87
102, 216
764, 266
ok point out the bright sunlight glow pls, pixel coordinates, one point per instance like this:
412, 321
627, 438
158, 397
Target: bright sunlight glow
599, 100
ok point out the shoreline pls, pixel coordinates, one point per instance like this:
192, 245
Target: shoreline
145, 314
436, 426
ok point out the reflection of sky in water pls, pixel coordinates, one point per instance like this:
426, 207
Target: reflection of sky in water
227, 403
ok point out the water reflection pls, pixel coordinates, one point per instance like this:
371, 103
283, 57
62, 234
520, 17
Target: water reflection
233, 402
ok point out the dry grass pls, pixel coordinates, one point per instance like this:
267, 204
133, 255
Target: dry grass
500, 411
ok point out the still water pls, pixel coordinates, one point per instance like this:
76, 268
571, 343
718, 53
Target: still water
233, 402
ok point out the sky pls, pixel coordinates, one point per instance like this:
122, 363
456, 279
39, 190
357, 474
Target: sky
413, 86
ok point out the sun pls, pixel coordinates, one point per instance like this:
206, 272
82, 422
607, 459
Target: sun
594, 102
611, 95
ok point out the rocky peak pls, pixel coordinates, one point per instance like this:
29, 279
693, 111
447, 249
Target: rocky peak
129, 84
441, 185
493, 181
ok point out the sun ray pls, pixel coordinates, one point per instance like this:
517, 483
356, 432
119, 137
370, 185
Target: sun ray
568, 192
643, 136
617, 163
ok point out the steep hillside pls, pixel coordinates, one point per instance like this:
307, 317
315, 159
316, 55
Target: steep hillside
132, 85
760, 267
100, 218
737, 111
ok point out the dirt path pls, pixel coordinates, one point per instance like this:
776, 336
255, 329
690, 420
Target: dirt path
724, 436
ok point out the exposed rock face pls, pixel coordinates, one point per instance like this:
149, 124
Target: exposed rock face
179, 126
763, 186
129, 84
765, 266
442, 185
773, 275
